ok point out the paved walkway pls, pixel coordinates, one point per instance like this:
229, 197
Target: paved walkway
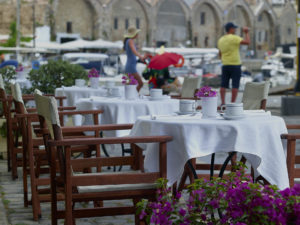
12, 211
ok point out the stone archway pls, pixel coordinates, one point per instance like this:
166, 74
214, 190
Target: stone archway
171, 26
127, 13
265, 28
206, 23
264, 31
287, 25
72, 23
239, 16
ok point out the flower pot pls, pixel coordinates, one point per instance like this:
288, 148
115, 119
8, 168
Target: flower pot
94, 82
130, 92
209, 106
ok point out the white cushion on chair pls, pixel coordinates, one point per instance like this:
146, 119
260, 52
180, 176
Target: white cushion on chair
254, 93
118, 187
190, 84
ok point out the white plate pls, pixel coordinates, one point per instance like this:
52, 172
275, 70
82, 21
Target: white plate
157, 99
187, 113
233, 117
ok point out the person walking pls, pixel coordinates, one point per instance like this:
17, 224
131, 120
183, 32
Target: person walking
132, 53
229, 46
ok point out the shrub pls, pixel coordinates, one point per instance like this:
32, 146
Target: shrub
55, 74
8, 73
235, 200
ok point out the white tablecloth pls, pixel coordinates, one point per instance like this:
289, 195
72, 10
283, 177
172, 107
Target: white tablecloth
74, 93
257, 137
120, 111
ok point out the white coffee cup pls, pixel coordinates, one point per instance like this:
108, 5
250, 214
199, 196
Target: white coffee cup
79, 82
156, 93
115, 91
233, 109
109, 83
187, 105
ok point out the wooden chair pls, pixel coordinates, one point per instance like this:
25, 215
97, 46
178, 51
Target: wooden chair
35, 160
96, 186
254, 97
292, 159
14, 146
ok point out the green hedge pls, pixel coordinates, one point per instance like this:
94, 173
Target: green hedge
55, 74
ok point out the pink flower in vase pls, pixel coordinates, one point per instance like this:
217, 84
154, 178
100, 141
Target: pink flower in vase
129, 79
20, 68
206, 91
93, 73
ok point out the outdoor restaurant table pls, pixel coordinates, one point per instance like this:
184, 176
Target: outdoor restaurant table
257, 137
122, 111
74, 93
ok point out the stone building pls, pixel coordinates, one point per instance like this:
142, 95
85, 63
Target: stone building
197, 23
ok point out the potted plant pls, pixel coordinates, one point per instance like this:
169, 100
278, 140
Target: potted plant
94, 78
130, 86
209, 101
231, 201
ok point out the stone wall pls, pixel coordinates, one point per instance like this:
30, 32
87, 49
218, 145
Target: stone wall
170, 21
81, 17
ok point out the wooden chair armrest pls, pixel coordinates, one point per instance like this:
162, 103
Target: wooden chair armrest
89, 128
80, 112
293, 126
27, 115
112, 140
62, 108
31, 110
97, 128
290, 136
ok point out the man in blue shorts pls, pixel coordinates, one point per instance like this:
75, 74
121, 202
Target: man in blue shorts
229, 50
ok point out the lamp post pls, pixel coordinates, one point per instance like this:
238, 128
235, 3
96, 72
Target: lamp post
18, 30
33, 23
297, 86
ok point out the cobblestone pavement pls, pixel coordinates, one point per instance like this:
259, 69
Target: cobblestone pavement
12, 211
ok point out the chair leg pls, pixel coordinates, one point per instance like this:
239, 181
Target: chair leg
8, 147
68, 190
36, 206
53, 187
14, 166
25, 184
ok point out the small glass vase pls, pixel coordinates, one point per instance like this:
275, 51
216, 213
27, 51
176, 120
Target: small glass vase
94, 82
130, 92
209, 107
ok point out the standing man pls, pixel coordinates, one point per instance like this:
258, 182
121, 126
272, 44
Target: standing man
229, 51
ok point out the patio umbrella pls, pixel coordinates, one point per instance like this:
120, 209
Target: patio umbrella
166, 59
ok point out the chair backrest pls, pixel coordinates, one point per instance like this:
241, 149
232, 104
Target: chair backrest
47, 109
190, 84
17, 97
5, 103
255, 95
1, 82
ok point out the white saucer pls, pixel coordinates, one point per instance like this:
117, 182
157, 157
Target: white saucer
157, 99
186, 113
226, 117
